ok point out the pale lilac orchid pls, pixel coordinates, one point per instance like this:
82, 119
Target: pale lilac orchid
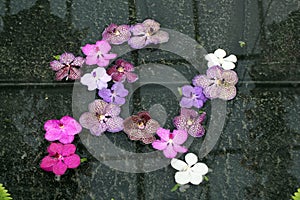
102, 117
67, 67
60, 158
146, 33
115, 34
190, 121
97, 79
115, 95
98, 53
192, 96
62, 130
217, 83
218, 58
170, 143
190, 171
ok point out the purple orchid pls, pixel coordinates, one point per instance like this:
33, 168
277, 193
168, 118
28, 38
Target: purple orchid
147, 33
62, 130
67, 67
190, 121
115, 34
60, 158
217, 83
192, 96
102, 117
98, 53
121, 71
114, 95
98, 78
141, 127
170, 143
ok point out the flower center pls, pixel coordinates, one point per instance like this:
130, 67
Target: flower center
94, 74
61, 125
141, 125
189, 122
121, 69
221, 60
116, 32
58, 156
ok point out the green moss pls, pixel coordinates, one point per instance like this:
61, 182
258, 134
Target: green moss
4, 195
296, 195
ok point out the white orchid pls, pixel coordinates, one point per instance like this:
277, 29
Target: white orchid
97, 79
218, 58
190, 171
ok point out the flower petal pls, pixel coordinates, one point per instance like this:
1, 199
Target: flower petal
187, 90
178, 164
53, 134
137, 42
71, 125
72, 161
220, 53
191, 159
66, 139
227, 93
89, 80
78, 61
60, 168
104, 46
214, 72
202, 81
164, 134
186, 102
195, 178
105, 94
230, 77
62, 73
98, 106
109, 56
56, 65
112, 110
228, 65
67, 58
159, 37
131, 77
196, 130
179, 148
88, 49
98, 128
180, 136
231, 58
91, 59
138, 29
68, 149
151, 126
54, 148
119, 100
115, 124
169, 152
182, 177
200, 168
212, 92
159, 145
102, 62
88, 120
47, 163
74, 73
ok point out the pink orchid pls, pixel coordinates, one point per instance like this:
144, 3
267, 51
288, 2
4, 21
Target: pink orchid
98, 53
60, 158
170, 143
62, 130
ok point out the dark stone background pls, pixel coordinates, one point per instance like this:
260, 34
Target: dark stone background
258, 154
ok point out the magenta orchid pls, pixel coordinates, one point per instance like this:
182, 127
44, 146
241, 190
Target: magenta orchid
67, 67
102, 117
115, 34
62, 130
217, 83
146, 33
190, 121
122, 70
170, 143
60, 158
141, 127
98, 53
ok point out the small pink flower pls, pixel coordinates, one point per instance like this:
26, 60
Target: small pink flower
170, 143
60, 158
62, 130
98, 53
121, 71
